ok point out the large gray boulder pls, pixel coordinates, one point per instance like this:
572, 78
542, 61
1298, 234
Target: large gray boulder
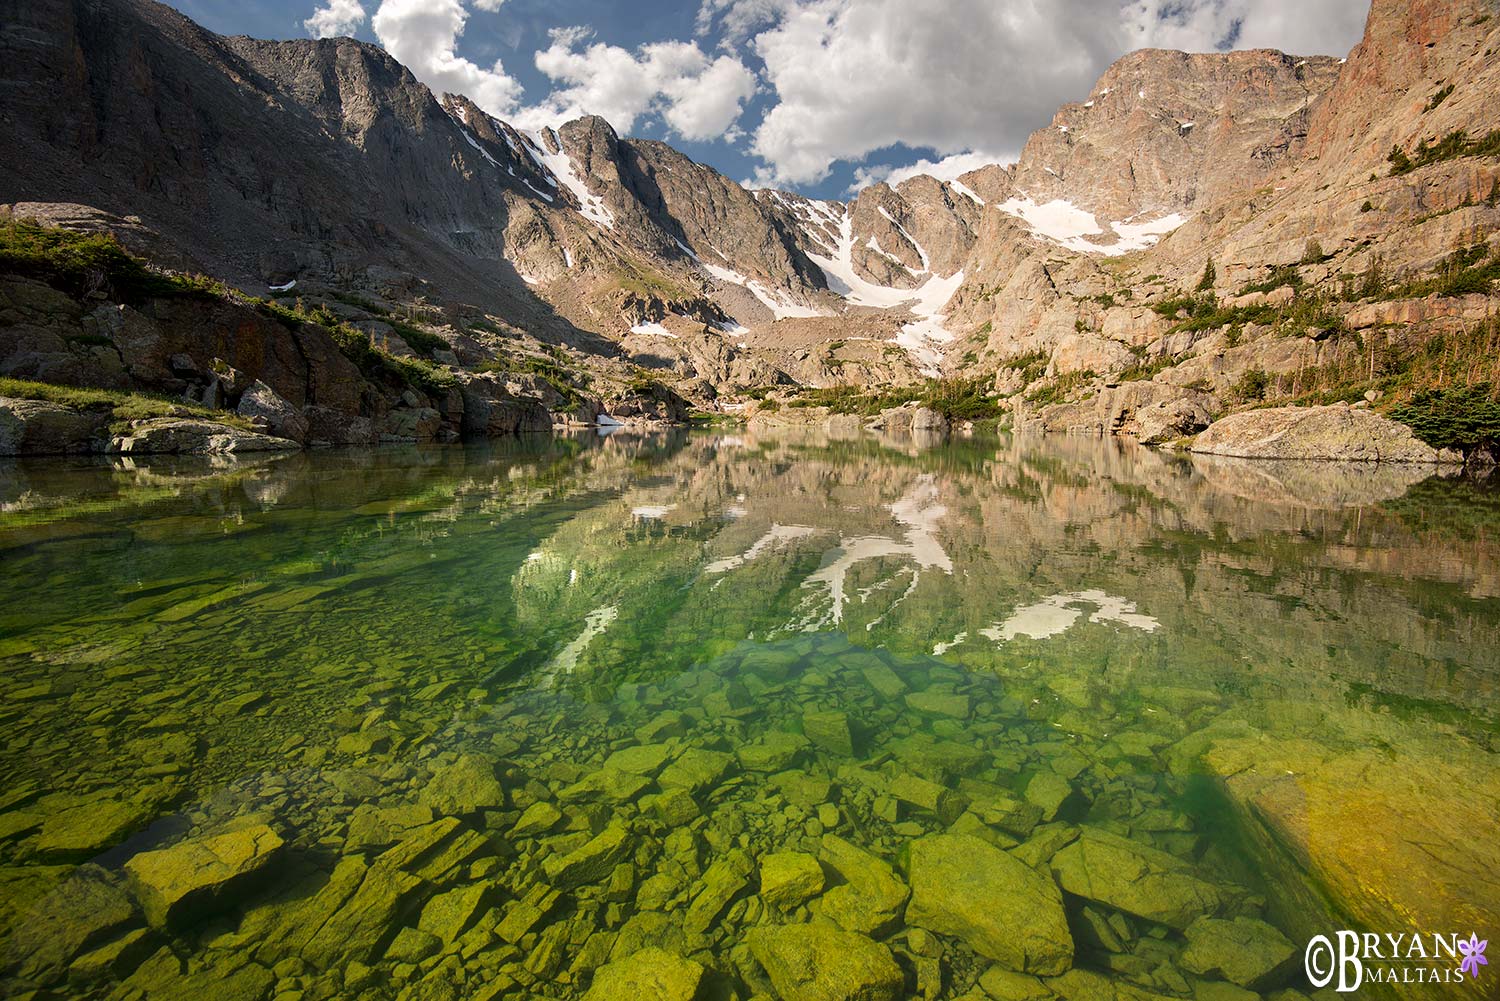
194, 436
996, 904
35, 427
1334, 432
264, 407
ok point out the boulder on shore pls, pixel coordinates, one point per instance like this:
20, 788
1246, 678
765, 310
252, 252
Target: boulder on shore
36, 427
194, 436
1334, 432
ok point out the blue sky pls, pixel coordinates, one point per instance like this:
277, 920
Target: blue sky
810, 95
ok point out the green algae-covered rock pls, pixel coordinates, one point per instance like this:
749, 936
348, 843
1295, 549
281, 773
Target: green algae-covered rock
817, 962
872, 897
772, 753
789, 879
197, 877
1007, 985
696, 770
1134, 878
81, 832
591, 862
466, 786
80, 912
1249, 952
830, 731
650, 975
1000, 907
539, 818
640, 759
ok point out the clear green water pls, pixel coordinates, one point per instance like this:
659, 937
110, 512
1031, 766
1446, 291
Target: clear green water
516, 713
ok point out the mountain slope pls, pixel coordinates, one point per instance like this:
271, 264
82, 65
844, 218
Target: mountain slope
328, 164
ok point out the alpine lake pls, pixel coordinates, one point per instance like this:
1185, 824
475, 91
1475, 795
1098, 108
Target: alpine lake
740, 715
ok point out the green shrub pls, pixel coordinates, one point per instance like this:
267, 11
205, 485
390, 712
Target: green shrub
1312, 253
1451, 147
1438, 98
1280, 277
1367, 206
1210, 275
81, 264
1464, 418
1252, 385
419, 340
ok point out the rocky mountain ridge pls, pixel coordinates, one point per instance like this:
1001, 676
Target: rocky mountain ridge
1050, 280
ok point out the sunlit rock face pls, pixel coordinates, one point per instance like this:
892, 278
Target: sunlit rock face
495, 716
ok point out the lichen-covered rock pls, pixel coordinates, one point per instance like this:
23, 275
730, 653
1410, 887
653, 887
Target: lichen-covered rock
817, 962
1334, 432
195, 877
997, 905
194, 436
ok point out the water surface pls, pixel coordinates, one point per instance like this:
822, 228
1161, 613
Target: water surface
477, 722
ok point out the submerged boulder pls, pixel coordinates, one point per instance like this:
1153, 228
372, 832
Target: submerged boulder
1244, 950
1134, 878
650, 975
196, 877
999, 906
817, 962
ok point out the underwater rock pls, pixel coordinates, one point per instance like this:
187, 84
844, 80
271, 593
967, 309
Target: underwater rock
592, 862
789, 879
650, 975
1244, 950
830, 731
640, 759
79, 913
539, 818
872, 897
197, 877
465, 787
696, 770
996, 904
814, 962
723, 881
774, 752
1134, 878
81, 832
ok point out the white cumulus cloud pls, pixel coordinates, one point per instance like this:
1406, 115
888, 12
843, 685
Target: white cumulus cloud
424, 34
335, 18
855, 76
699, 98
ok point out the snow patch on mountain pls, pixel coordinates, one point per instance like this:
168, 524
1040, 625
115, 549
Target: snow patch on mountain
1064, 223
560, 166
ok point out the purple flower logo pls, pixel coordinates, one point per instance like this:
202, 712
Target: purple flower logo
1473, 953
